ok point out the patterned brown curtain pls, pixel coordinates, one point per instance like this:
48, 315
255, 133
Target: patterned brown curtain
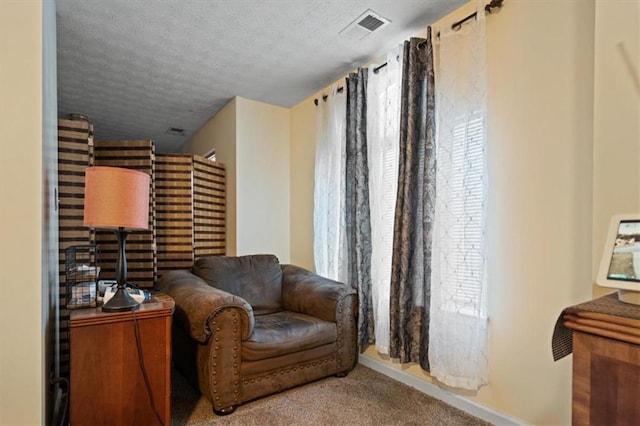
358, 220
411, 264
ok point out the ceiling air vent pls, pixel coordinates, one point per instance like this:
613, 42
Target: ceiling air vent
364, 25
175, 131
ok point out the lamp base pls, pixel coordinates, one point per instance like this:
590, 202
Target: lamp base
121, 302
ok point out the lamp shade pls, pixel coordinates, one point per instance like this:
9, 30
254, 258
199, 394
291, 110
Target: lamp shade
116, 198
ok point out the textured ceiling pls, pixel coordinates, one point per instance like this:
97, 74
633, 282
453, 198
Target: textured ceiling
139, 67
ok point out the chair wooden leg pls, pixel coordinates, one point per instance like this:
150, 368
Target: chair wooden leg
342, 374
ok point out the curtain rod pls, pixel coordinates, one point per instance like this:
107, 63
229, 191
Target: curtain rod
324, 98
457, 25
494, 3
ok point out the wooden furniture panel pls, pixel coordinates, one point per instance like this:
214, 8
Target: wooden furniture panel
606, 362
606, 381
107, 385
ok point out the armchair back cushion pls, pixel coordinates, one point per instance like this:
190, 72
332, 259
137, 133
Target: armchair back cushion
255, 278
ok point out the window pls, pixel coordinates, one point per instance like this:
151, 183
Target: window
211, 155
465, 208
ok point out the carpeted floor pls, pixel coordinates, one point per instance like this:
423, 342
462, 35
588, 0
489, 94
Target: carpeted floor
364, 397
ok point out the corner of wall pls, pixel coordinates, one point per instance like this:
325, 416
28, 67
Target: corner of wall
302, 165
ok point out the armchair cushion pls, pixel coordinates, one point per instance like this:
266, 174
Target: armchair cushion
256, 278
285, 332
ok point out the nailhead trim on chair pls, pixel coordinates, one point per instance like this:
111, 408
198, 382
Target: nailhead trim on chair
340, 332
289, 370
217, 349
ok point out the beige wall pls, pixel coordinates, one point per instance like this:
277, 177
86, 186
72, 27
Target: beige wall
252, 139
540, 106
540, 95
21, 328
263, 179
303, 152
220, 132
616, 129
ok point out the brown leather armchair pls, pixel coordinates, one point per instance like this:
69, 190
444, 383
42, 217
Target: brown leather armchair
245, 327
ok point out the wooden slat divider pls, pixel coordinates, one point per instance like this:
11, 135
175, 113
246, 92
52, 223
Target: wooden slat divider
190, 208
187, 209
75, 154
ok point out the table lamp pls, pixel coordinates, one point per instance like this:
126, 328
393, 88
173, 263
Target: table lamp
118, 199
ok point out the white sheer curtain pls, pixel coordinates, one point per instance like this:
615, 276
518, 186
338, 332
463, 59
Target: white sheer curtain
329, 226
458, 329
383, 133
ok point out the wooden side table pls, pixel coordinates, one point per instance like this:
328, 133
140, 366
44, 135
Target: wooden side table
107, 385
606, 362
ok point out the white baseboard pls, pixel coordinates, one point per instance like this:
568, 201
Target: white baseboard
437, 392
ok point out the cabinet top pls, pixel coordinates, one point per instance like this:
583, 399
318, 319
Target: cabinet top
160, 305
607, 305
606, 317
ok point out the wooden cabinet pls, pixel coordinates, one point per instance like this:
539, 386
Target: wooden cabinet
606, 381
606, 368
107, 384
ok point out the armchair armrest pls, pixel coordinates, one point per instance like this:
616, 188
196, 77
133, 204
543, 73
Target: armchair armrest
311, 294
197, 303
